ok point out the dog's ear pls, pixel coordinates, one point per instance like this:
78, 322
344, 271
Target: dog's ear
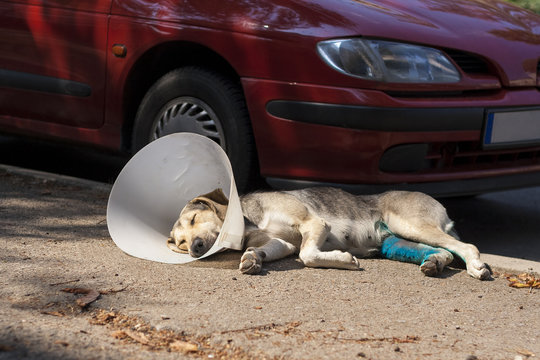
217, 196
215, 200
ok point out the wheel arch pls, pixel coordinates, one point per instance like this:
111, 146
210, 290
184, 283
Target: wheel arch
160, 60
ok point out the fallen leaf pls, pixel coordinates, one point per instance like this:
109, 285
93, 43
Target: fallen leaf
63, 343
103, 318
183, 346
526, 353
119, 334
523, 280
53, 313
91, 295
87, 299
138, 337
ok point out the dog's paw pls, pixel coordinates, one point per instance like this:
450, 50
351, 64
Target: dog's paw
435, 263
250, 263
429, 268
479, 270
353, 263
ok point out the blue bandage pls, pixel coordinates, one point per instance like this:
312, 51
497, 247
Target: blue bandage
395, 248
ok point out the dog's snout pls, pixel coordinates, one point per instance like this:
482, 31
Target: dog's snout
197, 247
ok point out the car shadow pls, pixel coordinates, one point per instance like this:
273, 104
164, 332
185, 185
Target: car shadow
504, 223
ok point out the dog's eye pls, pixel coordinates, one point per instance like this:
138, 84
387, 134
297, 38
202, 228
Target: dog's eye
193, 220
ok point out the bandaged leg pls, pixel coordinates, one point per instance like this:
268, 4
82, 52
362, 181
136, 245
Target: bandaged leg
431, 260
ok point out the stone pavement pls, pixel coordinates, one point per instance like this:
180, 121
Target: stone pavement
54, 237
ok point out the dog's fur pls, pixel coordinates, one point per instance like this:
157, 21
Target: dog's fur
328, 227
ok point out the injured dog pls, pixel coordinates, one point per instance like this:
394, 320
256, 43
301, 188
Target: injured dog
329, 228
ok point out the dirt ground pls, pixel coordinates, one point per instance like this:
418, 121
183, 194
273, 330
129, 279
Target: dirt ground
68, 292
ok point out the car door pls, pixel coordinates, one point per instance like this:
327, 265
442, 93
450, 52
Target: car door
53, 61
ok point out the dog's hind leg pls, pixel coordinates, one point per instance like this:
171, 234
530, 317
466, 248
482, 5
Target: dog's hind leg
314, 233
262, 247
420, 218
433, 235
431, 260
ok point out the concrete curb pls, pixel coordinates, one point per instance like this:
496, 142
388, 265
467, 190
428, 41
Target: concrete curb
509, 264
502, 263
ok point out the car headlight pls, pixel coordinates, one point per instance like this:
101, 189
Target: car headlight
388, 61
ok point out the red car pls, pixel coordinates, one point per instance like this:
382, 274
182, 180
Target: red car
432, 94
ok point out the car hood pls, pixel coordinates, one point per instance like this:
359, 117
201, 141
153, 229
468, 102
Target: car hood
507, 36
433, 20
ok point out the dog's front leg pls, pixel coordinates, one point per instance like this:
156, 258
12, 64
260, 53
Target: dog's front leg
262, 247
314, 233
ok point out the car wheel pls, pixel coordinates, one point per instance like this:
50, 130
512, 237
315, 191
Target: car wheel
197, 100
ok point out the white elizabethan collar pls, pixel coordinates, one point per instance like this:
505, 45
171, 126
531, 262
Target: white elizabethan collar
157, 183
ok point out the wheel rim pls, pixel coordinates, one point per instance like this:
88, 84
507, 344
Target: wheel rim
187, 114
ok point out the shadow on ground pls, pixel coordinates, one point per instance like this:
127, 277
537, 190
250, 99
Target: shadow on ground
505, 223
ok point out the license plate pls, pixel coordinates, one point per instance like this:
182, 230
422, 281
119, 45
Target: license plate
512, 128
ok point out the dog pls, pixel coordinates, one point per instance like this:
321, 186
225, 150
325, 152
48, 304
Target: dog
328, 228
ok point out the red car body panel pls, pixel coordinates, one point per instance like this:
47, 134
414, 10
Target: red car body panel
297, 26
353, 155
56, 42
272, 48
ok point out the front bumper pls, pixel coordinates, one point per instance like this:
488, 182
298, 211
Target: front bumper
355, 137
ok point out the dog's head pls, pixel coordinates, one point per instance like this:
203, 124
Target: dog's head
199, 224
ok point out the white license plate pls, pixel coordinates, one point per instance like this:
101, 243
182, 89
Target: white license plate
512, 128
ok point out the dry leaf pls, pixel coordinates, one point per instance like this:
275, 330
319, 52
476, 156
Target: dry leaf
526, 353
138, 337
89, 298
53, 313
183, 346
103, 318
91, 295
523, 280
119, 334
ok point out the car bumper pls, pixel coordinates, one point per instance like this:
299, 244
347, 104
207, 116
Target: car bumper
329, 135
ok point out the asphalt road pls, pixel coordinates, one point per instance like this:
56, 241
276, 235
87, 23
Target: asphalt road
54, 242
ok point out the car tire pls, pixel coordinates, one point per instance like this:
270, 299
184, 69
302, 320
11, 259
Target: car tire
194, 99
